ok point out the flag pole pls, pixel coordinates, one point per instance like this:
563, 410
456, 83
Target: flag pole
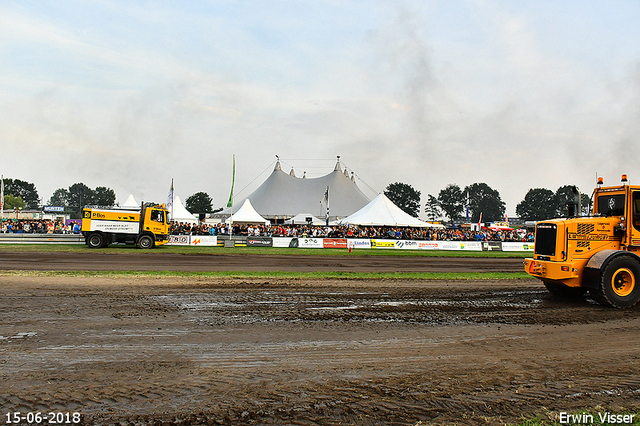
230, 202
1, 197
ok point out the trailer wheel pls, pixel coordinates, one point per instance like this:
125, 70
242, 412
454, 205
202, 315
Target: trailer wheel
620, 285
95, 240
145, 242
565, 292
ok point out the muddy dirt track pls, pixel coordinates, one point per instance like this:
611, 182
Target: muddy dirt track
143, 350
101, 261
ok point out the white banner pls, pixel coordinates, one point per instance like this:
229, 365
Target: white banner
517, 246
282, 241
359, 243
179, 240
310, 243
204, 240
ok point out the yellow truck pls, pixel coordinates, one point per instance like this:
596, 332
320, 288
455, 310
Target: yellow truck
147, 226
597, 254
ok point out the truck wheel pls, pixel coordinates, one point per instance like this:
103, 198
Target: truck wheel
95, 240
145, 242
565, 292
619, 286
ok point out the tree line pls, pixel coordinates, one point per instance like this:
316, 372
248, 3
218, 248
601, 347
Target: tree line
481, 202
453, 202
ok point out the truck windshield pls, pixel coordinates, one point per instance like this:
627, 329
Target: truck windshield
611, 205
157, 216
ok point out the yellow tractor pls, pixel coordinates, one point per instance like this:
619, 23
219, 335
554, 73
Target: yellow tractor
597, 254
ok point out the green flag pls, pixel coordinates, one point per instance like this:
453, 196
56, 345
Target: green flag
233, 181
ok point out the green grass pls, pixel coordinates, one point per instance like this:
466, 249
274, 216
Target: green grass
443, 276
208, 250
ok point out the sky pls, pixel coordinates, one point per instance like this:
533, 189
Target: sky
132, 94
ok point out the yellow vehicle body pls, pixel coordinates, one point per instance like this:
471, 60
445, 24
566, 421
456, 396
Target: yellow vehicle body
146, 226
596, 254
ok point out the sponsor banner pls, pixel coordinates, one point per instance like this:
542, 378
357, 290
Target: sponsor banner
284, 242
428, 245
450, 245
259, 242
383, 244
114, 226
359, 243
203, 240
334, 243
492, 246
53, 209
517, 246
179, 240
407, 244
310, 243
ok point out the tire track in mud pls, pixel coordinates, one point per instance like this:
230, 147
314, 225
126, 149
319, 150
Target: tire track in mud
261, 353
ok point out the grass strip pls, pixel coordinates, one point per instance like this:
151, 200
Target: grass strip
444, 276
276, 251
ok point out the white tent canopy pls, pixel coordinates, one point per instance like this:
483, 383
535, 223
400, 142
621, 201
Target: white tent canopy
382, 212
178, 213
301, 219
247, 214
131, 202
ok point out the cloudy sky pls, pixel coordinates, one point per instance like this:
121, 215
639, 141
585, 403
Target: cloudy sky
130, 94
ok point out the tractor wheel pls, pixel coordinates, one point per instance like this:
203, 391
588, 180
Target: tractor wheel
619, 285
146, 242
564, 292
95, 240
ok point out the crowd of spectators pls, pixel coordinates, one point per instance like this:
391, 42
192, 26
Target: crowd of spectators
45, 226
352, 231
38, 226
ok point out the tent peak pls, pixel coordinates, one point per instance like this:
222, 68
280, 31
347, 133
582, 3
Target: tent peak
338, 167
292, 173
277, 167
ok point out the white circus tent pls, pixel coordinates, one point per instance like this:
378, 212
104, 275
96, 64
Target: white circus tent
382, 212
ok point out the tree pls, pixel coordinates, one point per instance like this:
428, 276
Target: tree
25, 190
103, 196
486, 201
200, 202
11, 202
80, 195
405, 197
538, 204
59, 198
432, 208
451, 201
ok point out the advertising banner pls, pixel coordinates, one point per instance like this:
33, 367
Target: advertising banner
259, 242
334, 243
407, 245
284, 242
491, 245
203, 240
383, 244
179, 240
310, 243
359, 243
517, 246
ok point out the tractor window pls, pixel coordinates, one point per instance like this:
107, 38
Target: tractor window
611, 205
636, 210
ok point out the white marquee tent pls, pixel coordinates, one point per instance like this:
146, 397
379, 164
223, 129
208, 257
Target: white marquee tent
131, 202
247, 214
178, 213
301, 219
382, 212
